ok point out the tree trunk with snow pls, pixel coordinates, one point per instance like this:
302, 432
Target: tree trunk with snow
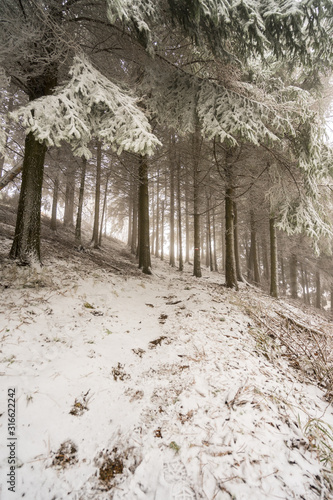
10, 175
2, 156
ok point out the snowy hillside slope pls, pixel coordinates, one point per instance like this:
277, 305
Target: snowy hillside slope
161, 387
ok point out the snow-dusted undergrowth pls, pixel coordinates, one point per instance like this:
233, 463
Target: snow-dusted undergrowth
154, 388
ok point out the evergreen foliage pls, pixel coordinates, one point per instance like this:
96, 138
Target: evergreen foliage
238, 28
88, 106
4, 82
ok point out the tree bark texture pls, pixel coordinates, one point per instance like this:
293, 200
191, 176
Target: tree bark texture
214, 240
274, 283
236, 244
134, 242
80, 206
293, 276
157, 229
144, 247
10, 175
187, 217
172, 202
254, 263
53, 224
69, 196
230, 264
130, 212
179, 203
103, 209
162, 229
318, 290
26, 244
94, 240
2, 156
196, 201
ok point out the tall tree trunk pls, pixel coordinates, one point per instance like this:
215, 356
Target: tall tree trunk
144, 247
187, 217
53, 224
134, 242
254, 250
306, 280
130, 212
236, 244
283, 276
293, 276
202, 239
274, 284
180, 242
80, 207
26, 244
210, 248
103, 209
223, 231
69, 196
172, 202
230, 264
205, 235
214, 240
318, 290
265, 257
196, 200
303, 283
152, 239
95, 235
162, 229
157, 234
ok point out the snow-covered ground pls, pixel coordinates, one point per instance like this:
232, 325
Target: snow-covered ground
148, 388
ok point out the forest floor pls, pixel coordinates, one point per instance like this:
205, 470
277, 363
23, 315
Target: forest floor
162, 387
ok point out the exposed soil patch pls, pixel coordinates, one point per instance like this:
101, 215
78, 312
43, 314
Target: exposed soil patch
66, 455
162, 318
119, 373
80, 405
154, 343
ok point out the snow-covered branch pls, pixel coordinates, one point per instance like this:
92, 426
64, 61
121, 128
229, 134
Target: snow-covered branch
88, 106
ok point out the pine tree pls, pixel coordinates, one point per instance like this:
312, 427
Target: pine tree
88, 106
